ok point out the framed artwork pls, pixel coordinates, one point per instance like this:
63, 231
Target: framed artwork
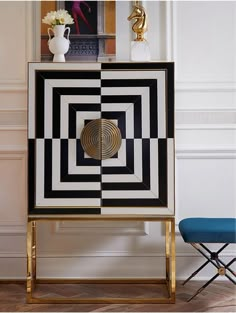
77, 112
92, 35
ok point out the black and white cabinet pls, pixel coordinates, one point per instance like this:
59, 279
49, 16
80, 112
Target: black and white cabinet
138, 98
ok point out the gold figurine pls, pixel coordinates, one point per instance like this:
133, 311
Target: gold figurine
140, 26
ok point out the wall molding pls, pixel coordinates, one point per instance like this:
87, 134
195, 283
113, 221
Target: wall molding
207, 86
203, 152
205, 126
13, 227
199, 109
13, 119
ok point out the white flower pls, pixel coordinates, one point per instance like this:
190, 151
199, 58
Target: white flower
60, 17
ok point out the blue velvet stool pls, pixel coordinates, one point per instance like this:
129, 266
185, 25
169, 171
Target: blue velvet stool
200, 231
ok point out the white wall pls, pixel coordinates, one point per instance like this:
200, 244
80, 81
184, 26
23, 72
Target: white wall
201, 38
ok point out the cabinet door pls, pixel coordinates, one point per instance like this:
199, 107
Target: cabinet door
138, 99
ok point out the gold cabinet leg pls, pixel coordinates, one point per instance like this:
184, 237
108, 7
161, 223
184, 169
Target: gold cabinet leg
34, 259
167, 242
173, 261
29, 286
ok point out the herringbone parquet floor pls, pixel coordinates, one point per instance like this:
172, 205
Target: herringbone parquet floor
218, 297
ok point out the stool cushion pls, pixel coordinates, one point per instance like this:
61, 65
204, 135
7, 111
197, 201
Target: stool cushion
208, 230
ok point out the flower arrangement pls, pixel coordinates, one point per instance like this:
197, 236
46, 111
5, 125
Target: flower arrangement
60, 17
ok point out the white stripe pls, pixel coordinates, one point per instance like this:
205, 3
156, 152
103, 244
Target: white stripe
138, 161
91, 202
82, 99
31, 99
162, 103
79, 83
171, 171
80, 120
114, 162
136, 74
56, 157
115, 107
127, 194
120, 178
66, 66
73, 168
122, 152
154, 167
130, 122
64, 118
135, 210
39, 171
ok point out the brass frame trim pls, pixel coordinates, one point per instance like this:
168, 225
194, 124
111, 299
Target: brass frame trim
169, 281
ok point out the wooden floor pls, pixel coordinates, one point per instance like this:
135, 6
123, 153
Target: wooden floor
218, 297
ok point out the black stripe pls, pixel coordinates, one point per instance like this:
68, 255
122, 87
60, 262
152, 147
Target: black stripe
124, 186
130, 154
70, 74
56, 122
154, 110
131, 202
82, 91
162, 170
120, 116
65, 210
47, 166
72, 121
119, 99
87, 178
81, 160
64, 157
74, 194
138, 118
136, 66
133, 82
31, 174
39, 106
170, 99
115, 170
146, 162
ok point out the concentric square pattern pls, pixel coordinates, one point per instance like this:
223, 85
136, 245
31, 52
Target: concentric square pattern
138, 98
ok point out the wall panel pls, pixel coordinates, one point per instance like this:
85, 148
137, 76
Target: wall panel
200, 37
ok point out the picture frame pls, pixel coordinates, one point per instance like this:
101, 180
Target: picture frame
92, 36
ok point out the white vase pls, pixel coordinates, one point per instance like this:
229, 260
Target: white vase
59, 45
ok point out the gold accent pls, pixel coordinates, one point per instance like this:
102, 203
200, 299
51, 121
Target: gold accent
221, 271
140, 26
101, 139
168, 281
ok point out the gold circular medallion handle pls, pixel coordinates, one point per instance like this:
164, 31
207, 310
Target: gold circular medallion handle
101, 139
